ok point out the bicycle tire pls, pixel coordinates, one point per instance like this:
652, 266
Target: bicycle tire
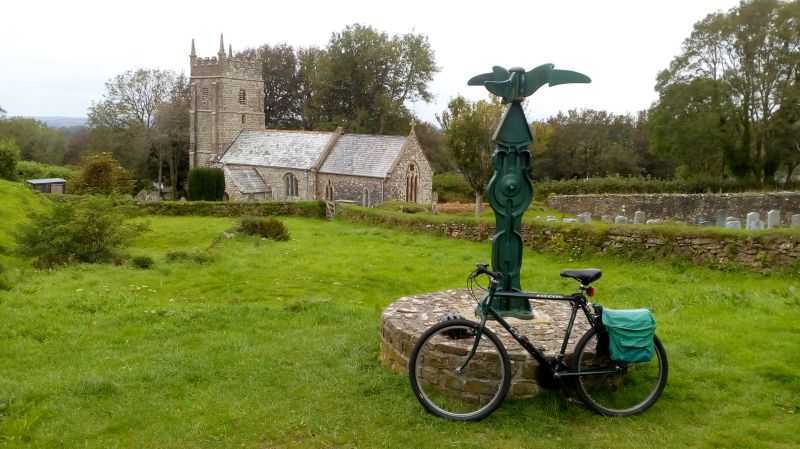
467, 396
632, 391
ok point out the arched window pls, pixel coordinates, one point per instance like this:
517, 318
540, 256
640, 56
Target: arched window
242, 96
412, 181
329, 194
365, 197
290, 185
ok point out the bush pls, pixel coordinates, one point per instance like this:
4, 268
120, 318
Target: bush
9, 157
143, 262
101, 174
191, 256
37, 170
269, 228
206, 184
89, 230
452, 187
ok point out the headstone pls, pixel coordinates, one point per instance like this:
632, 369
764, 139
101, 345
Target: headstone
773, 219
142, 195
752, 218
551, 218
733, 224
570, 220
758, 224
639, 217
607, 219
621, 219
699, 220
435, 203
721, 214
584, 218
796, 220
653, 221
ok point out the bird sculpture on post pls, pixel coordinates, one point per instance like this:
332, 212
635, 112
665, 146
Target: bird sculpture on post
510, 190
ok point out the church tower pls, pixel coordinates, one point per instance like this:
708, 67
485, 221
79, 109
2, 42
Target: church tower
227, 97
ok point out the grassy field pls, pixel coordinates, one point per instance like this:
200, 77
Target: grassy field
269, 345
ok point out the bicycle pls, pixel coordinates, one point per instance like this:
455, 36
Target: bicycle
460, 370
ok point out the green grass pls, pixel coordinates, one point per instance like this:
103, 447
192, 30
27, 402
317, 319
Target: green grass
275, 344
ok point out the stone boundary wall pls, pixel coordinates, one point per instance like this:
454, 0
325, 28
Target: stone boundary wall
680, 207
760, 251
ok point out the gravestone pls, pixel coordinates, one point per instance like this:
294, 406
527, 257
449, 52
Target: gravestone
721, 215
796, 221
653, 221
639, 217
142, 195
773, 219
435, 203
758, 224
584, 218
570, 220
733, 224
752, 218
621, 219
607, 219
551, 218
699, 220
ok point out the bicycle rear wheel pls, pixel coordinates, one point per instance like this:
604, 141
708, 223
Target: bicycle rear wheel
632, 389
469, 395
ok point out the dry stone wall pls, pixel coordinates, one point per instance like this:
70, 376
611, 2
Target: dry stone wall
680, 207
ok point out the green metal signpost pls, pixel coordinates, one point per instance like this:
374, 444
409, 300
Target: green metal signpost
510, 190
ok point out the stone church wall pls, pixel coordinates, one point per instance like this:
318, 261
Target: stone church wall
352, 188
396, 184
274, 179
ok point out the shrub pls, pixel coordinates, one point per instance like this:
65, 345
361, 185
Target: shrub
9, 157
101, 174
452, 187
5, 284
38, 170
143, 262
266, 227
191, 256
206, 184
89, 230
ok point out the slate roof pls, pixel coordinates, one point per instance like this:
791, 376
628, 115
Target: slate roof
247, 180
352, 154
363, 155
277, 148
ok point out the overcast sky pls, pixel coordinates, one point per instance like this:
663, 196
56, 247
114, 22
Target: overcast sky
55, 56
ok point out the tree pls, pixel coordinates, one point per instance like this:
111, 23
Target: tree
36, 142
430, 138
9, 156
128, 112
171, 143
467, 129
101, 174
747, 60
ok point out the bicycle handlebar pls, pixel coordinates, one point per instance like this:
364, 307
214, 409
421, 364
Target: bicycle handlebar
483, 268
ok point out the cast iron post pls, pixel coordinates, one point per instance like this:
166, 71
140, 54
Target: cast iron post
510, 190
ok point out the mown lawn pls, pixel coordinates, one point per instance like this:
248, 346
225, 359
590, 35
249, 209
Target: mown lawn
276, 345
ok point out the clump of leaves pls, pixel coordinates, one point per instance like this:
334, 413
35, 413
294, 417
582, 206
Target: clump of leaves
191, 256
90, 231
266, 227
143, 262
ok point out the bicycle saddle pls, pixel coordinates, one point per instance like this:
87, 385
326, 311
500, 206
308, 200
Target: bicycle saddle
586, 276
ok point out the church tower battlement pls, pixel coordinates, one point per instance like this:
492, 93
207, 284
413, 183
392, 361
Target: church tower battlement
227, 96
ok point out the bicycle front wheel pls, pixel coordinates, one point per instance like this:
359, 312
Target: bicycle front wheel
469, 394
616, 388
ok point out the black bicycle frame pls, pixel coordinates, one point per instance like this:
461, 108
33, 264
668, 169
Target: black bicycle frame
556, 367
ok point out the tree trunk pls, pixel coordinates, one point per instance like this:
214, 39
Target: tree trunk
478, 204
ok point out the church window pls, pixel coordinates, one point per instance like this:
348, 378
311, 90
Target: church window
204, 96
412, 182
329, 195
290, 185
242, 119
242, 96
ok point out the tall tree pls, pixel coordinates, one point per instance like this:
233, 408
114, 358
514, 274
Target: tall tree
467, 129
171, 130
36, 142
128, 112
748, 58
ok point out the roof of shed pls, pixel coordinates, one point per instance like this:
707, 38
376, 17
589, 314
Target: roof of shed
363, 155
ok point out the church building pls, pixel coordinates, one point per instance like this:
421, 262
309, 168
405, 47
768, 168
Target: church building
227, 130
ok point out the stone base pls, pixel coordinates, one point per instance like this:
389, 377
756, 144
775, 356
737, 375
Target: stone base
405, 320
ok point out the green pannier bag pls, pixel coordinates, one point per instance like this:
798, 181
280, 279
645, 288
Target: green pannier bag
630, 334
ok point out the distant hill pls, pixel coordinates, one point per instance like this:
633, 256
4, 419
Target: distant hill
62, 122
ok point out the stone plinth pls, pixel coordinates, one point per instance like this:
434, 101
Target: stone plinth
404, 321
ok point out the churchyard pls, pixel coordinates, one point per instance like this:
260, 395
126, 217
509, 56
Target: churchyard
263, 344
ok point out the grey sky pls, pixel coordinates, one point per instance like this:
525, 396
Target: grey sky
55, 56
